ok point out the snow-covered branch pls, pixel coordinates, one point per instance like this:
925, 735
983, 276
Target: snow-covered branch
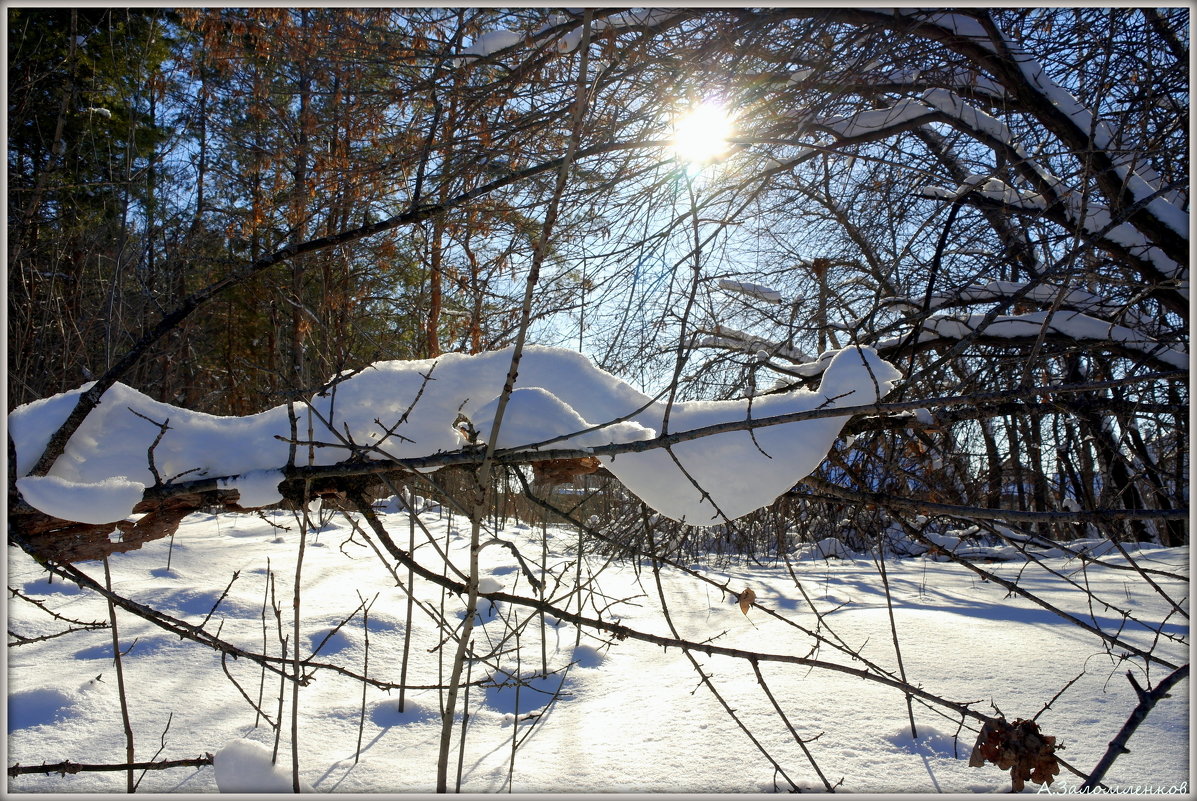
562, 398
266, 487
1042, 294
1067, 326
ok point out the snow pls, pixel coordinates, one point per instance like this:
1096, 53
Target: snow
1093, 217
959, 24
571, 40
742, 473
960, 78
1079, 299
105, 501
244, 766
758, 291
973, 118
633, 716
636, 17
1078, 326
408, 409
256, 488
1140, 182
999, 191
1098, 221
906, 111
41, 706
798, 76
534, 415
722, 336
870, 122
492, 42
1140, 189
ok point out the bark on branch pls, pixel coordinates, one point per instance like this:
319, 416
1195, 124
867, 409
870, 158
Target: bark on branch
1147, 701
66, 766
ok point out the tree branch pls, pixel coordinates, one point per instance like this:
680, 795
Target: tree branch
1147, 701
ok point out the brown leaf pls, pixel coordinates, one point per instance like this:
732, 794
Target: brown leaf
746, 599
1018, 747
550, 472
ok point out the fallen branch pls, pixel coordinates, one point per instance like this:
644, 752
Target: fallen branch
65, 541
66, 767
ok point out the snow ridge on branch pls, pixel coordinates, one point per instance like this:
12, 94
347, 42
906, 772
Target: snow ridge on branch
401, 410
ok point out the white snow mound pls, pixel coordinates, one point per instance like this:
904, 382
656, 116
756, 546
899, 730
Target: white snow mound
243, 766
534, 414
105, 501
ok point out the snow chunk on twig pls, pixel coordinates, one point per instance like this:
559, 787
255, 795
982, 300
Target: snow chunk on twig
1075, 325
753, 290
534, 414
400, 410
492, 42
256, 488
867, 122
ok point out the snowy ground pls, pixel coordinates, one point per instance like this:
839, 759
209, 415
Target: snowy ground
633, 716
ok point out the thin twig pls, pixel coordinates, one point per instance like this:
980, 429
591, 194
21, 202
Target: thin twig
702, 674
161, 747
781, 713
120, 681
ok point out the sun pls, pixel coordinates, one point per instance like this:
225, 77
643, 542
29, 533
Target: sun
701, 134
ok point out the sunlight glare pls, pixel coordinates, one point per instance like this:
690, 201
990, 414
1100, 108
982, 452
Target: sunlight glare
700, 135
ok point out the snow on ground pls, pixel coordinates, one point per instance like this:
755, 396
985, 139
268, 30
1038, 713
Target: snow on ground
632, 716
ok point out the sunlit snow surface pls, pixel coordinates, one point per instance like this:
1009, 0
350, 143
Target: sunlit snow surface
632, 717
406, 409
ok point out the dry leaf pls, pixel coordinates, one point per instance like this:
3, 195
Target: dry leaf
746, 599
1018, 747
550, 472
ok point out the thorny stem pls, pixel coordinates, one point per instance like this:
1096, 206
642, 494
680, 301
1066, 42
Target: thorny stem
702, 674
262, 679
361, 724
893, 629
465, 721
120, 681
411, 602
478, 512
67, 767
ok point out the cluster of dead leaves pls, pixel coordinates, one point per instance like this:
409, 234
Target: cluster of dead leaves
1018, 747
550, 472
